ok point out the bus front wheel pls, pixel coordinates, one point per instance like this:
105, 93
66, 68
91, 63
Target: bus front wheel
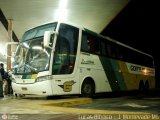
88, 88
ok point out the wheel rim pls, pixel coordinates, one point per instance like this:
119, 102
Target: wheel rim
87, 89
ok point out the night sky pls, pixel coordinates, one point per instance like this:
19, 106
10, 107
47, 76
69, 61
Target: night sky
138, 25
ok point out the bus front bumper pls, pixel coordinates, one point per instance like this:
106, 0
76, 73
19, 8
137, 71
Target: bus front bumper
38, 88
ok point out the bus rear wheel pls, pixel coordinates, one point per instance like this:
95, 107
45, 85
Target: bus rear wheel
141, 87
146, 86
88, 88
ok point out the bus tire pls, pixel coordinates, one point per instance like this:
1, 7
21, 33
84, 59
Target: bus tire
15, 94
19, 95
141, 86
88, 88
146, 86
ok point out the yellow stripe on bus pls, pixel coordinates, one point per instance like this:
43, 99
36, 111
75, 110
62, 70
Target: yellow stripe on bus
132, 80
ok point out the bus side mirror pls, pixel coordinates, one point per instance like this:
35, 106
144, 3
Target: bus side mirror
47, 37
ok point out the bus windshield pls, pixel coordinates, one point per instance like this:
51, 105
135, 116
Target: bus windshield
31, 57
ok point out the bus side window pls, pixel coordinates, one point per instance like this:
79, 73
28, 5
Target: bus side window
108, 50
93, 45
84, 44
118, 51
112, 50
90, 43
103, 48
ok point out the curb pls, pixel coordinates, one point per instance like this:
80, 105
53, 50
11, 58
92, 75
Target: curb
70, 102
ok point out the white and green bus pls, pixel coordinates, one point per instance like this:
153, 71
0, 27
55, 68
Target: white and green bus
63, 59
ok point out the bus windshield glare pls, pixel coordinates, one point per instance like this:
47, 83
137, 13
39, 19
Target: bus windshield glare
31, 57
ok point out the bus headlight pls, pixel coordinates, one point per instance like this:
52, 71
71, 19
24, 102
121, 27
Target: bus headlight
43, 78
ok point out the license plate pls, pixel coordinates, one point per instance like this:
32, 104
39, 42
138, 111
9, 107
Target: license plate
24, 88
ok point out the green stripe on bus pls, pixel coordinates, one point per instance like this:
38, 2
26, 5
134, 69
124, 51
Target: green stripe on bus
115, 78
118, 75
